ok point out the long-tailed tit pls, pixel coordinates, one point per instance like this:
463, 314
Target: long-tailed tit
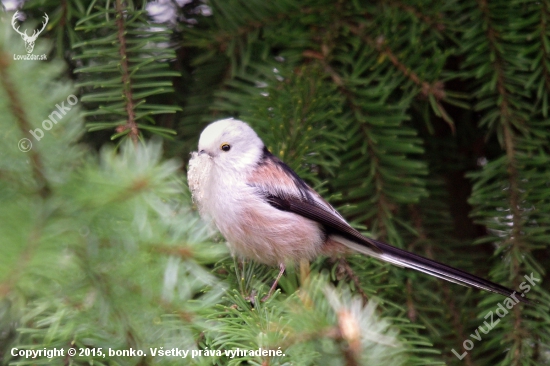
267, 213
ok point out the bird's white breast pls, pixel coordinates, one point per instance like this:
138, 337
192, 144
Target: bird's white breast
253, 228
198, 174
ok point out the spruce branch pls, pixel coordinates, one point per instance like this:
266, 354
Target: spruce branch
104, 287
412, 313
544, 17
458, 333
23, 123
122, 71
421, 237
348, 113
435, 88
506, 119
251, 26
344, 266
383, 204
514, 114
454, 309
514, 240
125, 74
21, 265
64, 13
432, 22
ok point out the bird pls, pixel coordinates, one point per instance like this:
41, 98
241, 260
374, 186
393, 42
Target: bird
267, 213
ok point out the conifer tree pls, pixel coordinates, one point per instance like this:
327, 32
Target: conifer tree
425, 122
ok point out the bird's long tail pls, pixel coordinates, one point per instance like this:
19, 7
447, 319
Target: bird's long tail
402, 258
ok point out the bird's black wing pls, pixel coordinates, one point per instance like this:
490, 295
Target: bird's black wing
314, 211
286, 191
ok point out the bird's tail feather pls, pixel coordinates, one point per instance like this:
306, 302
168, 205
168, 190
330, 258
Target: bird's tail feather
402, 258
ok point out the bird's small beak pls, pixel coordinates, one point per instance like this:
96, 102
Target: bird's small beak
204, 152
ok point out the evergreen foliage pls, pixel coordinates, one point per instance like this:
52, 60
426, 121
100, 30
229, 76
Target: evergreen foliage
425, 122
124, 67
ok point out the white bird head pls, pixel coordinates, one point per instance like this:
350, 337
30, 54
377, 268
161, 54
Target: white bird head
231, 144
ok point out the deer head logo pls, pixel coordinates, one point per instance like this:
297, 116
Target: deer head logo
29, 41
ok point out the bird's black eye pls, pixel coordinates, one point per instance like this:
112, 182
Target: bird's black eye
225, 147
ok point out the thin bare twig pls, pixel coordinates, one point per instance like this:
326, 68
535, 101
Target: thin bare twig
126, 80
